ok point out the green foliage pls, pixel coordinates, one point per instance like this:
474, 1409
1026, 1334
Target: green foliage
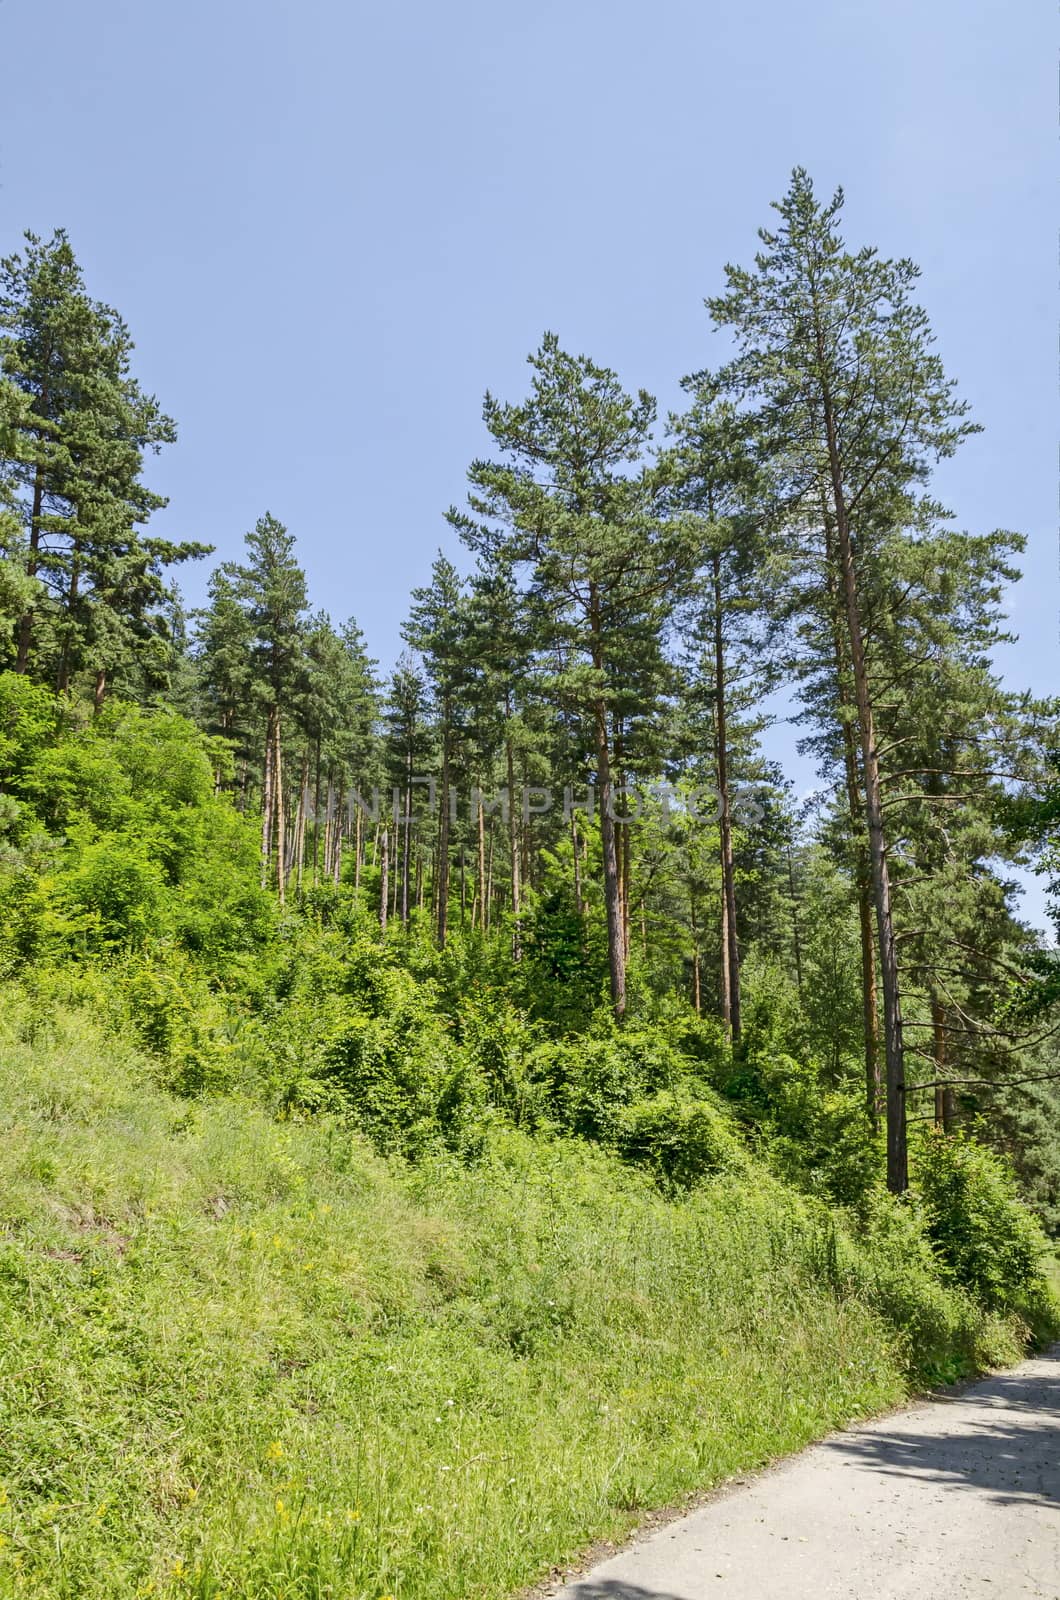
245, 1356
586, 1082
119, 835
681, 1142
985, 1237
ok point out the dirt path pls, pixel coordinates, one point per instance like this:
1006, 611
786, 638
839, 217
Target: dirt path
957, 1497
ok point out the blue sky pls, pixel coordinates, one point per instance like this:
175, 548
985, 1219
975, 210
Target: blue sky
332, 226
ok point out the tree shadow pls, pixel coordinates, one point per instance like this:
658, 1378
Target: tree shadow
1011, 1453
617, 1589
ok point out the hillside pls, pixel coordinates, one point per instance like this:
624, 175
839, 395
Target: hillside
248, 1357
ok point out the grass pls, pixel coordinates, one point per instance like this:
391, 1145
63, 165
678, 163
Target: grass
243, 1358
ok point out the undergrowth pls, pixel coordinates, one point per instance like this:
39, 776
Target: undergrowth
251, 1357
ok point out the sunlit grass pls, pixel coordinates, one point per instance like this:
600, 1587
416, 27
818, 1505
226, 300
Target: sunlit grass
248, 1358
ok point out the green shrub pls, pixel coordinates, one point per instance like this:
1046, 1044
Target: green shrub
587, 1081
680, 1142
984, 1236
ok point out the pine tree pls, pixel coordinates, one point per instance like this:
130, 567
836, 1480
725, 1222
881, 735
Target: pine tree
852, 405
582, 516
270, 591
74, 455
438, 630
713, 474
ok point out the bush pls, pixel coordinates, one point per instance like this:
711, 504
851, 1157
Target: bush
681, 1143
985, 1238
586, 1082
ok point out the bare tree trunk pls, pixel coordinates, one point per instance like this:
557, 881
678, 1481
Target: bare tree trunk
300, 821
443, 833
894, 1055
281, 821
728, 870
863, 874
316, 818
481, 890
25, 622
384, 870
795, 930
627, 890
697, 992
266, 804
726, 984
337, 836
612, 892
513, 838
578, 906
406, 848
487, 904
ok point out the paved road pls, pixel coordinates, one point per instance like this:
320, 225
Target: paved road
957, 1497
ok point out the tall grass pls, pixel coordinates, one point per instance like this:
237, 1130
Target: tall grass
249, 1358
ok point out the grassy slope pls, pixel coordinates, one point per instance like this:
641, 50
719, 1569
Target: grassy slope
244, 1358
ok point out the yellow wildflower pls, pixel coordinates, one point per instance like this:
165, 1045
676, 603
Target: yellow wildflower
275, 1451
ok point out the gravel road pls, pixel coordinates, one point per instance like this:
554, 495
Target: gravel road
957, 1497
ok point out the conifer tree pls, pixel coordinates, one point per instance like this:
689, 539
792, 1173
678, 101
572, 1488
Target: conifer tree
437, 630
582, 516
74, 456
270, 590
852, 405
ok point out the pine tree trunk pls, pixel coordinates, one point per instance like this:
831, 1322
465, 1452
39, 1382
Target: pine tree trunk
266, 804
300, 821
627, 875
728, 870
869, 1008
337, 835
487, 903
281, 821
406, 847
897, 1155
443, 833
513, 838
725, 985
870, 1019
578, 906
612, 891
942, 1091
316, 818
25, 622
481, 890
796, 933
697, 993
384, 870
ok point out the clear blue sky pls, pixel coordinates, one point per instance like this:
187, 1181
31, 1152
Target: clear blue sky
332, 226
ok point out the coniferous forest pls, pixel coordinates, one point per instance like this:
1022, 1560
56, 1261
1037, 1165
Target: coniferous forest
485, 1062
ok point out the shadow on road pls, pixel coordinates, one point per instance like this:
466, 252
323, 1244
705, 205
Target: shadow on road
1015, 1462
615, 1589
